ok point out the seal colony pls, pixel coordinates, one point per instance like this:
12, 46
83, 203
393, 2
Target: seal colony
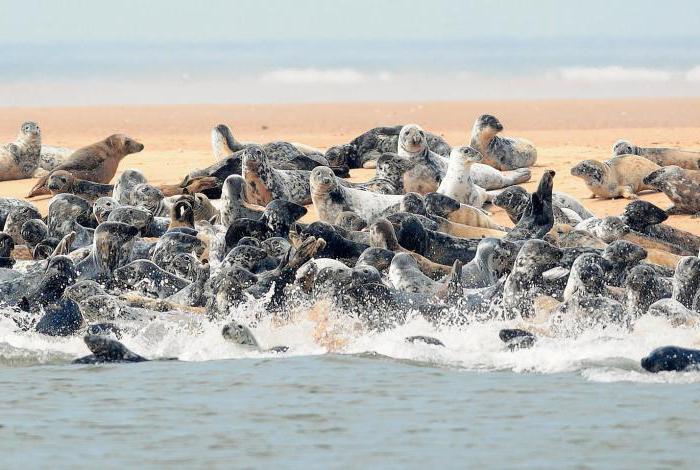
416, 241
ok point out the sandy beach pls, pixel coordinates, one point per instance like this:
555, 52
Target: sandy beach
176, 138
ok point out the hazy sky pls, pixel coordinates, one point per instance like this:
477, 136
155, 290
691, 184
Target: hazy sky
39, 21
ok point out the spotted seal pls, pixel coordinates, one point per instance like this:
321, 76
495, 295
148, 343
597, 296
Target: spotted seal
619, 177
20, 159
330, 198
662, 156
681, 186
502, 153
97, 162
147, 277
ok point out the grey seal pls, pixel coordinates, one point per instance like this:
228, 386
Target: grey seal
502, 153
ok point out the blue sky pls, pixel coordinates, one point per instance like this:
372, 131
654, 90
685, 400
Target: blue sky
41, 21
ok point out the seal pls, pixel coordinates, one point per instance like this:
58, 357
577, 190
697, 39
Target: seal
405, 275
517, 339
336, 246
59, 274
20, 159
103, 207
348, 220
388, 177
181, 215
427, 168
149, 197
377, 141
446, 207
61, 181
196, 185
672, 359
619, 177
233, 202
16, 219
136, 216
642, 288
525, 280
106, 350
538, 217
378, 258
282, 155
437, 247
126, 183
50, 157
33, 232
457, 182
681, 186
494, 259
502, 153
484, 176
8, 204
241, 335
6, 247
60, 319
148, 278
275, 221
646, 218
111, 249
330, 198
264, 183
660, 155
97, 162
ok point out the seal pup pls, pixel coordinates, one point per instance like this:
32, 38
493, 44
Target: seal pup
457, 182
538, 217
448, 208
233, 202
20, 159
388, 177
502, 153
371, 145
330, 198
672, 359
681, 186
662, 156
97, 162
61, 181
619, 177
106, 350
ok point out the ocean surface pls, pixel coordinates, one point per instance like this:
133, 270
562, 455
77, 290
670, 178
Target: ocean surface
274, 71
348, 400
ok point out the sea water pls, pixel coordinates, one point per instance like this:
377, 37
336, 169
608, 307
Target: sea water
362, 400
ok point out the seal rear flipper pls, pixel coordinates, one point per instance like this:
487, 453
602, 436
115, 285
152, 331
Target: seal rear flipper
40, 188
